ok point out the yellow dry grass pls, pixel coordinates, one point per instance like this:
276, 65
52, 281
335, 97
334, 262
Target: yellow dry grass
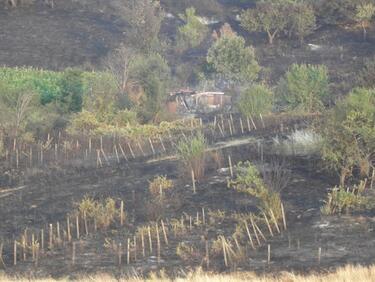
345, 274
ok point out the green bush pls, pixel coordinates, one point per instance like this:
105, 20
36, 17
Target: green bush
304, 88
255, 100
192, 152
249, 181
192, 33
349, 134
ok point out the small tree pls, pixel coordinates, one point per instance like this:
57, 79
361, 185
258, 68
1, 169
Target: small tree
192, 152
231, 59
193, 32
349, 134
304, 87
268, 16
255, 100
71, 96
364, 14
301, 20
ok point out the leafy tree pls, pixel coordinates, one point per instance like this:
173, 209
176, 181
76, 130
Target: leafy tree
231, 59
349, 134
255, 100
304, 87
363, 15
71, 87
145, 18
301, 20
268, 16
193, 32
152, 74
334, 11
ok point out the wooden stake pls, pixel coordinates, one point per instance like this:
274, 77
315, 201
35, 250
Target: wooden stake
149, 238
85, 222
42, 239
284, 218
203, 217
15, 253
51, 236
268, 224
58, 233
241, 124
152, 146
128, 253
123, 152
141, 149
164, 233
1, 254
131, 150
252, 121
230, 166
224, 252
68, 229
122, 213
248, 123
162, 144
275, 221
261, 118
135, 248
77, 226
255, 231
73, 253
249, 235
190, 223
269, 254
119, 253
158, 242
143, 244
260, 232
116, 152
319, 254
193, 180
208, 252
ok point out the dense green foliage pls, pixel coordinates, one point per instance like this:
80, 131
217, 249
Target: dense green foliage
304, 88
255, 100
192, 33
349, 134
232, 60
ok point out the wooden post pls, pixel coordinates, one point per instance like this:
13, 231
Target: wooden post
85, 222
158, 241
152, 146
122, 213
32, 246
143, 244
135, 248
77, 226
116, 152
193, 180
224, 252
141, 149
1, 254
123, 152
149, 238
255, 231
162, 144
68, 229
105, 156
241, 125
73, 253
128, 253
119, 254
268, 224
17, 159
58, 233
15, 253
261, 118
230, 128
203, 217
248, 123
51, 236
249, 235
164, 232
221, 130
275, 221
207, 252
269, 254
230, 166
42, 239
131, 150
284, 218
190, 223
31, 156
319, 254
259, 231
90, 145
252, 121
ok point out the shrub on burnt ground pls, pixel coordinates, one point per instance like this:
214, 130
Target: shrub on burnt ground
249, 181
192, 152
188, 252
345, 200
159, 185
103, 212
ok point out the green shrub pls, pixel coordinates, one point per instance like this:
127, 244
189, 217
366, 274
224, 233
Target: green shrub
249, 181
255, 100
341, 200
192, 152
104, 213
304, 88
